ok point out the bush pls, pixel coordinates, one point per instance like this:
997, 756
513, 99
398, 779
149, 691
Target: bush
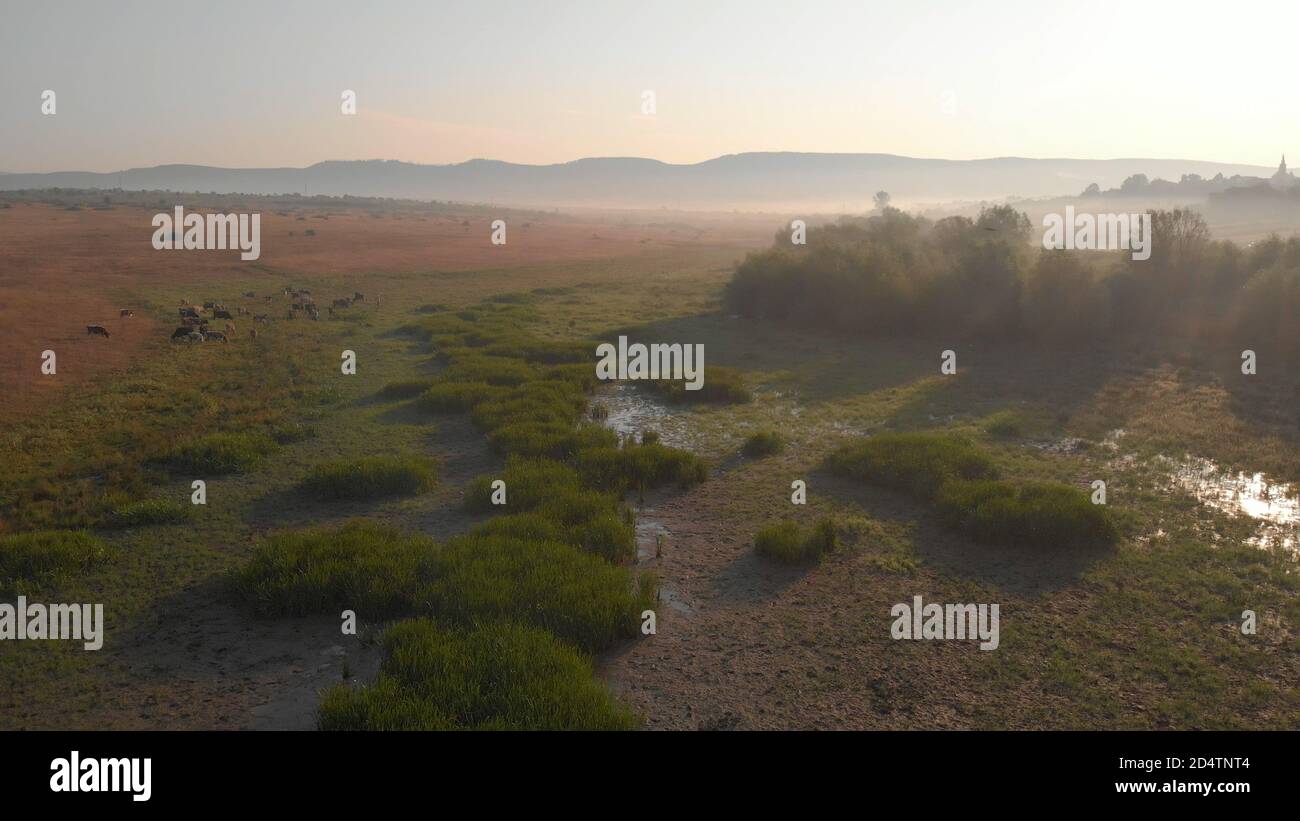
1039, 514
148, 512
915, 463
763, 443
45, 556
370, 477
406, 388
221, 453
362, 566
498, 676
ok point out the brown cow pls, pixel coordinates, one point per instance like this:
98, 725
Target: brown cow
230, 329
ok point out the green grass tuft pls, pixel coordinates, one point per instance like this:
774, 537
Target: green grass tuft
371, 477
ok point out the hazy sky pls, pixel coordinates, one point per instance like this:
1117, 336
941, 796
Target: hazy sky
258, 83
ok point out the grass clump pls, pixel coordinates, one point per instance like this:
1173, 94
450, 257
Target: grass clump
640, 467
581, 598
1005, 424
364, 566
455, 397
918, 464
405, 388
763, 443
784, 542
148, 512
498, 676
45, 556
529, 483
370, 477
220, 453
1039, 514
721, 386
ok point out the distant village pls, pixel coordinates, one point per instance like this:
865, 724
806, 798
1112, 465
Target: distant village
1283, 186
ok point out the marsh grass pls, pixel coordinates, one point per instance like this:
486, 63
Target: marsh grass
784, 541
362, 566
916, 463
1039, 514
38, 558
721, 386
763, 443
148, 512
221, 453
495, 676
371, 477
405, 388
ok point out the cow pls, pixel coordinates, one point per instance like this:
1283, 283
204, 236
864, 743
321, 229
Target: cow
230, 329
342, 303
250, 295
181, 333
221, 313
189, 310
126, 313
217, 335
261, 318
253, 333
358, 297
195, 336
270, 298
208, 306
91, 330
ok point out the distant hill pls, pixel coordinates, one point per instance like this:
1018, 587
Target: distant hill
738, 181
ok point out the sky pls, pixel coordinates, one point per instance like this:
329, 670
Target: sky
259, 84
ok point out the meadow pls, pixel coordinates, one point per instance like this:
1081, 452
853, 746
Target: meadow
373, 493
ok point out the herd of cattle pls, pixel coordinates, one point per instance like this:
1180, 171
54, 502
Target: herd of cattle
195, 326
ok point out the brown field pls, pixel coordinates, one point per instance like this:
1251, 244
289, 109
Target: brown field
61, 270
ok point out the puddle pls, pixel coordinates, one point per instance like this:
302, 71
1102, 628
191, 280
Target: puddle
648, 533
1276, 505
632, 412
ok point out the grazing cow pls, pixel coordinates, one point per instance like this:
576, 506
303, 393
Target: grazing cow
126, 314
342, 303
250, 295
358, 297
217, 335
208, 306
189, 311
91, 330
181, 333
221, 313
195, 336
261, 318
